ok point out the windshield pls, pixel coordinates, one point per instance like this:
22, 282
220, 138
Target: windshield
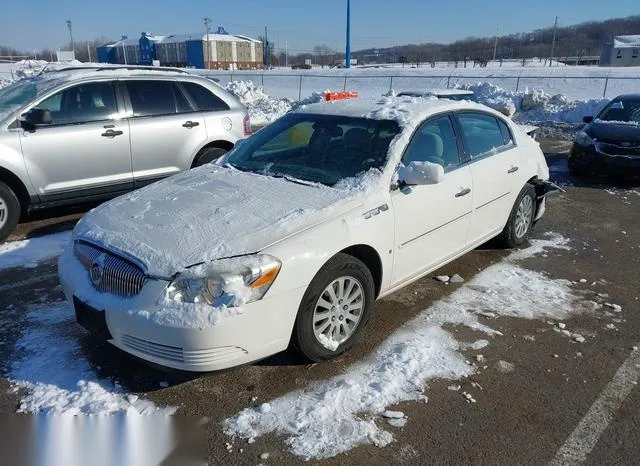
316, 148
621, 110
22, 92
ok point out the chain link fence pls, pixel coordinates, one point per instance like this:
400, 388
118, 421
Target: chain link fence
297, 86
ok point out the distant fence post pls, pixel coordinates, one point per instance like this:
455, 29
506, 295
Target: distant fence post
231, 76
606, 83
391, 84
12, 78
300, 89
263, 80
344, 88
448, 81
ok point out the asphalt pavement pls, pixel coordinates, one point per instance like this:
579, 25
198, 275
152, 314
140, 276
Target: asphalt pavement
563, 402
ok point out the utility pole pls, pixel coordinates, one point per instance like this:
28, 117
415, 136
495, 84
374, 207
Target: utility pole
89, 52
553, 42
495, 46
286, 54
267, 53
347, 62
207, 29
124, 50
73, 48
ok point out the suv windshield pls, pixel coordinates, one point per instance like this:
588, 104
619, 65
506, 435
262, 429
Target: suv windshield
621, 110
317, 148
22, 92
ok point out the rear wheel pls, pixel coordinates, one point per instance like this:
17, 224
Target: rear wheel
335, 309
521, 219
9, 211
208, 155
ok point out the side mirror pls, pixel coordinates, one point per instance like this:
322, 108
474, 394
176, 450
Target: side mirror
37, 116
420, 173
587, 119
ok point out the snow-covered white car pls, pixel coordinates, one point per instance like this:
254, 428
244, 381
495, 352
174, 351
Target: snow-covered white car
292, 235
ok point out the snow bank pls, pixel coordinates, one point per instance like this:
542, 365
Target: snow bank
535, 105
53, 375
263, 109
337, 415
29, 252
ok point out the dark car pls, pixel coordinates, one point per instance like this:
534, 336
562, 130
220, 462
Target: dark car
610, 143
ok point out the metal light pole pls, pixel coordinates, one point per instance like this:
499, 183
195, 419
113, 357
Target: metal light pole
207, 30
347, 63
73, 48
553, 43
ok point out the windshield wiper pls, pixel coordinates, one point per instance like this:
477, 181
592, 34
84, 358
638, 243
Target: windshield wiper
293, 179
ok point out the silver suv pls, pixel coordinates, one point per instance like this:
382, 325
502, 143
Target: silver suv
93, 133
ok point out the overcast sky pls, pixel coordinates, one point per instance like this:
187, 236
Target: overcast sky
301, 24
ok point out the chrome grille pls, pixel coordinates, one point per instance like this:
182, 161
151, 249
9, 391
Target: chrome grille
108, 272
174, 354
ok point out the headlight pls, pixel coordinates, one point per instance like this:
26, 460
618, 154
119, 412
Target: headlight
583, 139
226, 282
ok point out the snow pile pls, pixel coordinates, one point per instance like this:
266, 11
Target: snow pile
28, 68
263, 109
29, 252
337, 415
535, 105
53, 376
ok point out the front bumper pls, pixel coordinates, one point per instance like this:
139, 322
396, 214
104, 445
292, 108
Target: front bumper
589, 159
135, 325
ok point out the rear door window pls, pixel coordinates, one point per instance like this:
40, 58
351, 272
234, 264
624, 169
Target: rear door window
156, 98
205, 100
482, 134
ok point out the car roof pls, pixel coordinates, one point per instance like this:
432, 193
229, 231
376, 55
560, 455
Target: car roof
437, 92
75, 72
633, 95
403, 109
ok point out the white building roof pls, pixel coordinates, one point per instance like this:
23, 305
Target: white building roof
621, 42
200, 36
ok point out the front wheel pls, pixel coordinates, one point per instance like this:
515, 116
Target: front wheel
521, 219
9, 211
335, 309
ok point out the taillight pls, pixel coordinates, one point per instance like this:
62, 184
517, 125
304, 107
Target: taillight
246, 123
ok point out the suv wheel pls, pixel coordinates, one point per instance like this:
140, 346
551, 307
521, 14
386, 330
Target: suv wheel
9, 211
208, 155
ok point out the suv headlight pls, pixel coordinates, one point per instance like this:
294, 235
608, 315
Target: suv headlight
226, 282
583, 139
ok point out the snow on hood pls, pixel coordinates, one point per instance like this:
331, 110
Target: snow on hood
211, 213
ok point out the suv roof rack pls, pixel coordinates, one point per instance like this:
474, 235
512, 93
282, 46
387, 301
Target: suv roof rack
123, 67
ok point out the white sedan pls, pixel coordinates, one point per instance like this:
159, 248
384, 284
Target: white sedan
293, 235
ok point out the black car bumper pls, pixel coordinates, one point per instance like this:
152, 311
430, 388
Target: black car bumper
590, 160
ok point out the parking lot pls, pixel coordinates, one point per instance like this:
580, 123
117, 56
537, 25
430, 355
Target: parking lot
534, 392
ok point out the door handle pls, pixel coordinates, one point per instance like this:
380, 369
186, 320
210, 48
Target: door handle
513, 169
112, 134
464, 192
190, 124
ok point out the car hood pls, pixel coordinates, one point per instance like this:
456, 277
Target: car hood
209, 213
614, 132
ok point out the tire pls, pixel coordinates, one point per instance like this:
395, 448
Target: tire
352, 272
521, 219
208, 155
10, 211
